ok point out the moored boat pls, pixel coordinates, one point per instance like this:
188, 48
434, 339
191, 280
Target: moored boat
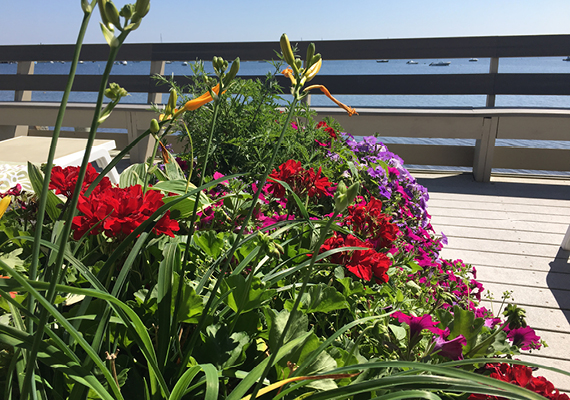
412, 62
440, 64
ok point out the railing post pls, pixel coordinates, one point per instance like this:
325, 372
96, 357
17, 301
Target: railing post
484, 149
493, 69
136, 127
156, 67
24, 68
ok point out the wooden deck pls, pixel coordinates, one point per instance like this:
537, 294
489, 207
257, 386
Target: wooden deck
511, 229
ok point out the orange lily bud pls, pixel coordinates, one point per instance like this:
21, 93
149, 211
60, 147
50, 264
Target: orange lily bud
198, 102
351, 111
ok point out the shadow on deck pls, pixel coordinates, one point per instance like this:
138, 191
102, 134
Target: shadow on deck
511, 229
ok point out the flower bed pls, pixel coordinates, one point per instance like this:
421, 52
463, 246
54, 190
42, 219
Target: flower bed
305, 271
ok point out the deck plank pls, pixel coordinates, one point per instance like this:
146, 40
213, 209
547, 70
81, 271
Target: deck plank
511, 230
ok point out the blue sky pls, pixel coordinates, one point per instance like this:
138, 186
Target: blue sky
57, 21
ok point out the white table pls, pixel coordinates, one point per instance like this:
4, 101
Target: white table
16, 152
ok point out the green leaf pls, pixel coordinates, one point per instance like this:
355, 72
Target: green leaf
53, 358
222, 349
464, 323
242, 297
37, 181
319, 365
192, 305
276, 322
211, 242
320, 298
133, 175
12, 259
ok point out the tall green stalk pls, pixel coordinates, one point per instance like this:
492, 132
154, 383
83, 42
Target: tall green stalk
57, 270
292, 314
29, 381
187, 351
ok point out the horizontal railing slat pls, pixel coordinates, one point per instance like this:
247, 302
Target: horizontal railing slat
458, 84
459, 47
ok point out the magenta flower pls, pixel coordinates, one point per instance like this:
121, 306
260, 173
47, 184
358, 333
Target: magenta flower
418, 324
452, 349
526, 338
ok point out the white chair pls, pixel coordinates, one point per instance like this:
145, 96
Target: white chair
16, 152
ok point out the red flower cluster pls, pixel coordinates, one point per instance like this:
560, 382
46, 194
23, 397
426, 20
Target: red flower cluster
328, 129
118, 212
521, 375
302, 181
63, 180
365, 264
367, 220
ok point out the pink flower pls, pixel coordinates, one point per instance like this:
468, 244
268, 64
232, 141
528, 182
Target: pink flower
418, 324
452, 349
526, 338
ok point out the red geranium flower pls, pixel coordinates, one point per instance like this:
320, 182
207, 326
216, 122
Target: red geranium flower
300, 180
520, 375
118, 212
63, 180
365, 264
368, 221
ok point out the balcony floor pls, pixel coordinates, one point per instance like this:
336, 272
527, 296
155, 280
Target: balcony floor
511, 229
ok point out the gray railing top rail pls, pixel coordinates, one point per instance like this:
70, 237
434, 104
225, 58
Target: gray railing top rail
456, 47
490, 84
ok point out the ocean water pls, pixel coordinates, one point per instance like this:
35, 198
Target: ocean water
340, 67
352, 67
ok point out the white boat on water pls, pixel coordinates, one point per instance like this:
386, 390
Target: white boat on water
440, 64
184, 63
412, 62
124, 62
473, 59
566, 59
382, 61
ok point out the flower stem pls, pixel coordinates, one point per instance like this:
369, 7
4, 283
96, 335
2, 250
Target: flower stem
57, 270
187, 351
29, 381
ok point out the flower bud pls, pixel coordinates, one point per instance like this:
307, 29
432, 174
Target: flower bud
127, 11
86, 6
112, 14
4, 203
142, 7
172, 99
340, 198
154, 126
287, 52
299, 63
310, 54
104, 18
232, 73
352, 192
313, 70
115, 92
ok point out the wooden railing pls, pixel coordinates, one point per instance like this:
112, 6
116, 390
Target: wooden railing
485, 125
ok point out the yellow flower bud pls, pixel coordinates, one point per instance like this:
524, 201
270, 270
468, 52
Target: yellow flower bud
287, 51
313, 70
172, 99
4, 203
